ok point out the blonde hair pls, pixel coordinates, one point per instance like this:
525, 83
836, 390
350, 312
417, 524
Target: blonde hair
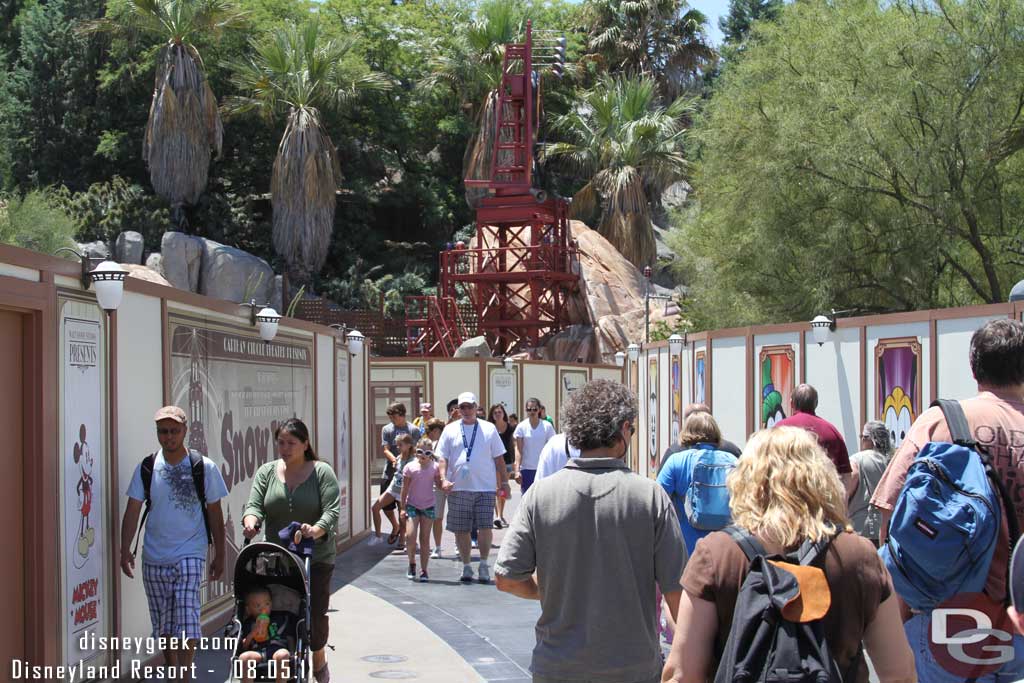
786, 490
699, 428
425, 444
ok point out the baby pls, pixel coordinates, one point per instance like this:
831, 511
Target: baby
265, 639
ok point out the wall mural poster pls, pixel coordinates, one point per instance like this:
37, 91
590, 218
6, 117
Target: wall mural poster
344, 445
700, 375
778, 378
502, 385
83, 474
677, 398
236, 389
652, 415
568, 382
898, 384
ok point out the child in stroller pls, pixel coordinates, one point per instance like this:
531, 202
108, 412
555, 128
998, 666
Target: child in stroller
272, 591
267, 637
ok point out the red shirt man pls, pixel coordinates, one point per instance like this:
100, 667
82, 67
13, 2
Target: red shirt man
803, 404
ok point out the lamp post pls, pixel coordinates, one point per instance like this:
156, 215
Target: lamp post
647, 303
265, 316
823, 326
355, 342
108, 277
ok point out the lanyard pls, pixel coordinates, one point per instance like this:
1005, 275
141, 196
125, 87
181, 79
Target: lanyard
469, 446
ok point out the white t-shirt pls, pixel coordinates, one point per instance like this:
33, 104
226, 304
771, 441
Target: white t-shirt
554, 456
475, 471
534, 439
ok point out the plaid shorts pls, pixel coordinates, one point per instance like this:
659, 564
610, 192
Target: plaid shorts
465, 507
173, 595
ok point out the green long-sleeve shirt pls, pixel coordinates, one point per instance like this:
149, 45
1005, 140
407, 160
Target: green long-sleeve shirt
314, 501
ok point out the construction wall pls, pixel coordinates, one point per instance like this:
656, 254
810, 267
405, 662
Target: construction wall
887, 367
161, 346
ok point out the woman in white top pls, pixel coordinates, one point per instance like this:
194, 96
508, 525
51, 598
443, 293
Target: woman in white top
531, 436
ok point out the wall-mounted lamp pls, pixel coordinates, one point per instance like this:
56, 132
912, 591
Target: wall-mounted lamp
264, 316
822, 328
355, 342
508, 362
108, 277
620, 358
676, 343
634, 352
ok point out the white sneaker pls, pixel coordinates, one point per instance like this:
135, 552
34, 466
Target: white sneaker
475, 545
436, 554
483, 573
376, 540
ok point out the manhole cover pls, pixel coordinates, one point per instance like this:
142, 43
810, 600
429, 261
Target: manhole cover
384, 659
393, 675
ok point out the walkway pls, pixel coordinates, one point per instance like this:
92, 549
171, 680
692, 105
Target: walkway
384, 626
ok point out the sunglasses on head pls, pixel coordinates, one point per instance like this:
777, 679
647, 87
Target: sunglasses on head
426, 454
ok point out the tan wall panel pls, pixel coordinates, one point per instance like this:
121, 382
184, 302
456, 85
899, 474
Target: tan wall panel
324, 406
541, 382
360, 441
452, 378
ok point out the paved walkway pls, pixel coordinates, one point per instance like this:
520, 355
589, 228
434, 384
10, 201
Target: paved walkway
384, 626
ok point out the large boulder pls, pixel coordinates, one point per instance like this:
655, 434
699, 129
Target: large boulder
155, 261
233, 274
474, 348
128, 247
576, 343
145, 273
97, 249
182, 259
277, 301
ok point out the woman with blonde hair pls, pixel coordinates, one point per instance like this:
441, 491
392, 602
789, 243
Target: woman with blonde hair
785, 491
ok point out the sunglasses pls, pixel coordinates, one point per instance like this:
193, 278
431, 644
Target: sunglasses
164, 431
467, 406
533, 410
425, 454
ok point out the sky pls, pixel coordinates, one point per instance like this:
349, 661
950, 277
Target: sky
712, 9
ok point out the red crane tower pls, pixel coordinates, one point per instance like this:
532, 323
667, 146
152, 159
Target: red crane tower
520, 271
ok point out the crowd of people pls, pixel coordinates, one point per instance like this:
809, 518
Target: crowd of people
787, 560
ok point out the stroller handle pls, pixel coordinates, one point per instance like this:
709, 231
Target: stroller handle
247, 541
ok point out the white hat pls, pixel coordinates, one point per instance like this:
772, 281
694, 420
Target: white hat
467, 397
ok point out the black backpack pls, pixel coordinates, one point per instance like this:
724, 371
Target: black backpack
763, 646
198, 478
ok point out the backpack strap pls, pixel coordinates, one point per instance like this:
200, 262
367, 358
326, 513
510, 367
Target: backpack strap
956, 420
809, 552
960, 434
199, 479
146, 473
750, 546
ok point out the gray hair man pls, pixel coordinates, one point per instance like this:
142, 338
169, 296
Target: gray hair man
600, 539
868, 467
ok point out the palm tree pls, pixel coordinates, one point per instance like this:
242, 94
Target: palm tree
299, 71
660, 39
184, 123
629, 148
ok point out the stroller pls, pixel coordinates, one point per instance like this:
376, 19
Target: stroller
286, 576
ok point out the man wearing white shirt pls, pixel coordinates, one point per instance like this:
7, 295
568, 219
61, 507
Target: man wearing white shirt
557, 452
531, 435
475, 473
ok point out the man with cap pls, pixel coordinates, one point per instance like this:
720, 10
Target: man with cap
474, 475
175, 543
426, 412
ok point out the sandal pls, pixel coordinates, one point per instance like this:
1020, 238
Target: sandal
498, 524
392, 537
323, 675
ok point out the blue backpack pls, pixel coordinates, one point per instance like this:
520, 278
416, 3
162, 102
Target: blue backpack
707, 499
946, 521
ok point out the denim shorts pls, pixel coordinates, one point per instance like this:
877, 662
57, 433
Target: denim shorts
415, 512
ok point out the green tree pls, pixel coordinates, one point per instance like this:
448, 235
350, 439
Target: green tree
660, 39
628, 149
861, 156
736, 25
184, 122
36, 221
299, 71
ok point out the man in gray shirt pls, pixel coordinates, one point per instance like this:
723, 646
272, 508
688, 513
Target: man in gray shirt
600, 538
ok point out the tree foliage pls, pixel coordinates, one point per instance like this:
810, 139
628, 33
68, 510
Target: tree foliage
861, 156
628, 148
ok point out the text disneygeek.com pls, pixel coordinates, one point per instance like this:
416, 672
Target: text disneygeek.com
135, 669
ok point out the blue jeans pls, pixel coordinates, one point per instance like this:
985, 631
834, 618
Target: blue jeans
931, 671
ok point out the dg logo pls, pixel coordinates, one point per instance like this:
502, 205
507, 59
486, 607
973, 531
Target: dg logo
970, 635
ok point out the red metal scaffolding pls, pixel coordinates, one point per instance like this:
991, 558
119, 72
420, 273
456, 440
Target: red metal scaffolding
520, 270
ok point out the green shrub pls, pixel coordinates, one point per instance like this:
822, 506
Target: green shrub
36, 221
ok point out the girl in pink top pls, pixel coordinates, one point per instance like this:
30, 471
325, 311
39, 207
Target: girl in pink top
418, 480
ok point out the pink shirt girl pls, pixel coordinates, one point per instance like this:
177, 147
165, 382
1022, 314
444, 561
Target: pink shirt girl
421, 480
